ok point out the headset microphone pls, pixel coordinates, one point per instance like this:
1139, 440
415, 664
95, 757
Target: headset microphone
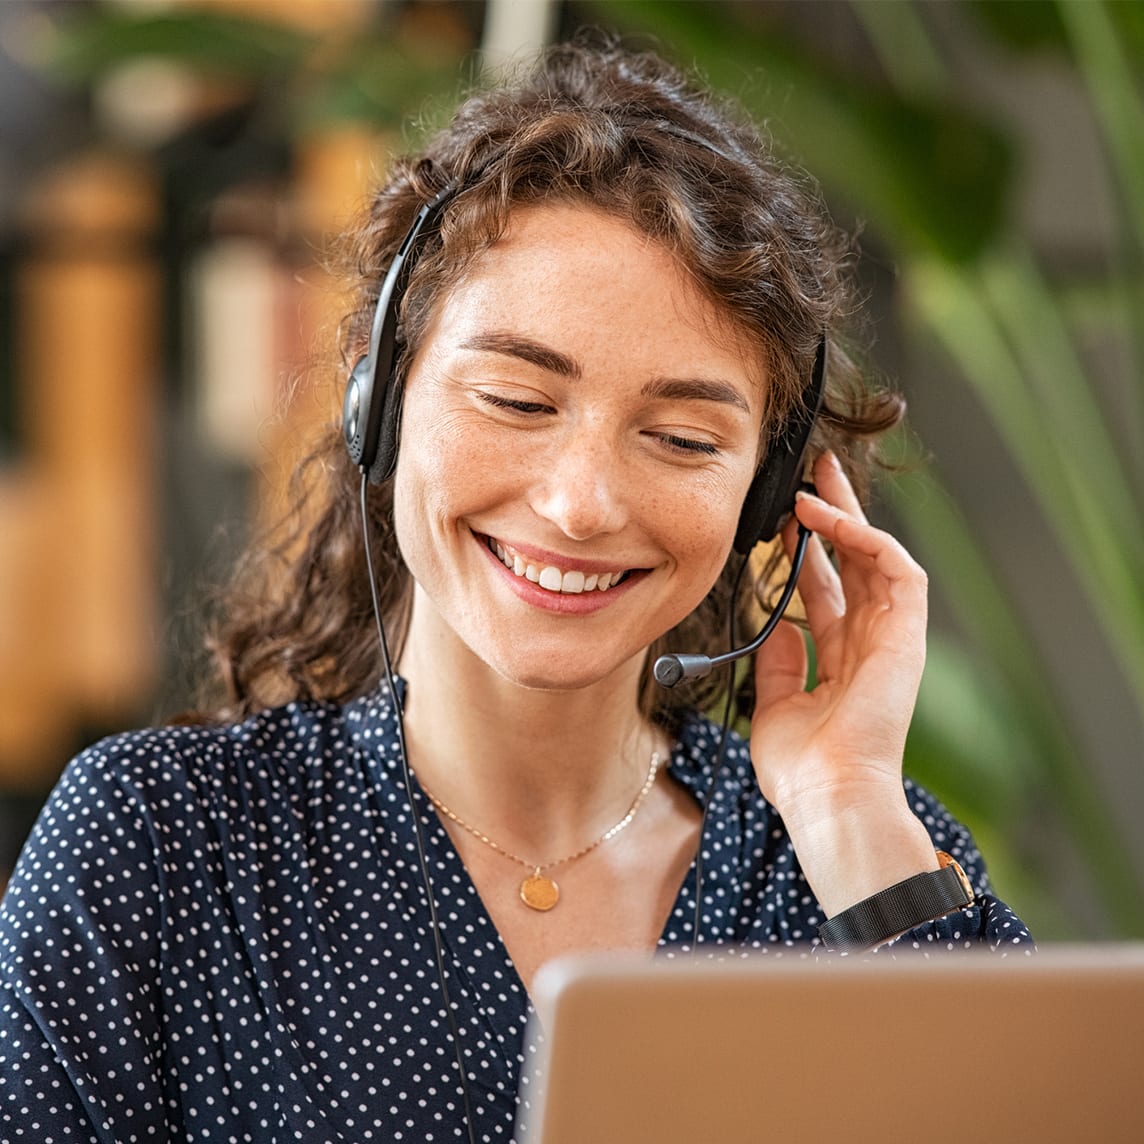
672, 669
769, 499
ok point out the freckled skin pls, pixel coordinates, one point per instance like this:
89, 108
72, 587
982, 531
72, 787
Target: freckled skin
590, 469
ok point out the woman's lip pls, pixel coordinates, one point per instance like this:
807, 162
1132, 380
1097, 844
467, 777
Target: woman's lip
542, 556
566, 603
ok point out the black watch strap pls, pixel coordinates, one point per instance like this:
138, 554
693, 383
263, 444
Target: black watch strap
892, 911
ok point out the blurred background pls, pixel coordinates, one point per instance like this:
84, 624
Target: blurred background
171, 173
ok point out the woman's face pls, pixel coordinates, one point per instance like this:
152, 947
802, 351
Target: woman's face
579, 429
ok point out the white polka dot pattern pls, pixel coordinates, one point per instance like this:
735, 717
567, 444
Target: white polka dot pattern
221, 934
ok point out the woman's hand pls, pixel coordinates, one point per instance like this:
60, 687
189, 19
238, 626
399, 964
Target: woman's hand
830, 760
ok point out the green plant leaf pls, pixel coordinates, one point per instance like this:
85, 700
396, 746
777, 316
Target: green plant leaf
1023, 25
214, 42
1045, 743
375, 80
963, 746
933, 174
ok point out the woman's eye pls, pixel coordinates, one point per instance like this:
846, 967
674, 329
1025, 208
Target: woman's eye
688, 445
495, 399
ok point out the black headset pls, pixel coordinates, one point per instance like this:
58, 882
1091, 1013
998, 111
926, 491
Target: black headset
371, 411
372, 407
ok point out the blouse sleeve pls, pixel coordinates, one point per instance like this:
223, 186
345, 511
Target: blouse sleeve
989, 921
79, 957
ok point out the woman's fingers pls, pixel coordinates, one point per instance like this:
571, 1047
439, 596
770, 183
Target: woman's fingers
870, 599
872, 564
835, 488
835, 500
780, 666
819, 585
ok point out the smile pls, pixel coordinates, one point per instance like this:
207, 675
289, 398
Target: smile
551, 578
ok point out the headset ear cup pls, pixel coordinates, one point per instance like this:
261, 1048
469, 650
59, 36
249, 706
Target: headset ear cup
385, 457
762, 509
372, 405
370, 410
370, 413
771, 495
356, 409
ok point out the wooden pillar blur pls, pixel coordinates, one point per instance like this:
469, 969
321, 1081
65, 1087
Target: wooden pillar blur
77, 602
334, 172
334, 168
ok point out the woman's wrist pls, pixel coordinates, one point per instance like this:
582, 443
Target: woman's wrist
850, 848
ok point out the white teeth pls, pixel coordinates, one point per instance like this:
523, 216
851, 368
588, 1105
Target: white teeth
550, 577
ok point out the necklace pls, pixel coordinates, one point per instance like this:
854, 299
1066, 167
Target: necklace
538, 891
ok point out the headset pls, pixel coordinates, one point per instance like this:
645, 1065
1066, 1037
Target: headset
371, 412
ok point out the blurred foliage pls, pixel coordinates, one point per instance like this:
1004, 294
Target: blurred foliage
894, 138
932, 170
931, 175
219, 43
299, 80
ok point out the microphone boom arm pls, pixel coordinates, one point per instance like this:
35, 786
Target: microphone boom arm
672, 669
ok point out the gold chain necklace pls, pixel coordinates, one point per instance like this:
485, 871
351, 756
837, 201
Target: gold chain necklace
538, 891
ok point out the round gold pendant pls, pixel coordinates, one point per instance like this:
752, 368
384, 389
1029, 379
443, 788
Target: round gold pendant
538, 892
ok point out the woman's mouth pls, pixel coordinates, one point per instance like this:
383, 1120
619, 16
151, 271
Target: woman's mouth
550, 577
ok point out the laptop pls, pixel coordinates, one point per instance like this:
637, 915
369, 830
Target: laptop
961, 1047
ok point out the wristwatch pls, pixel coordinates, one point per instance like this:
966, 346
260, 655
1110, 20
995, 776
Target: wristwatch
890, 912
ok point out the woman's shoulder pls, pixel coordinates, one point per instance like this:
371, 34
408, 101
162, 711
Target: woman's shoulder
152, 751
286, 748
179, 790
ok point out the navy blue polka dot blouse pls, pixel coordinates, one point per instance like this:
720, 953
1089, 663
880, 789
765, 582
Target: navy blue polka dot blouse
221, 933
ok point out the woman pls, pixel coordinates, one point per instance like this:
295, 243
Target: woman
606, 322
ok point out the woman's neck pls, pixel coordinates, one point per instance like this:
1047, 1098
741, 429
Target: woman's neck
536, 769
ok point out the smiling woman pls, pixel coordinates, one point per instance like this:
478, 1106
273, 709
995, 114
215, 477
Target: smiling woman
596, 322
571, 403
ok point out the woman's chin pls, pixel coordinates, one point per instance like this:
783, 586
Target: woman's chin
562, 675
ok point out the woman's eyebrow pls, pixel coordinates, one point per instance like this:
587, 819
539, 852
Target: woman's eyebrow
660, 388
696, 389
513, 345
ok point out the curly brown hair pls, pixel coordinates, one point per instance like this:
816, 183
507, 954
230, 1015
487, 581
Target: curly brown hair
630, 135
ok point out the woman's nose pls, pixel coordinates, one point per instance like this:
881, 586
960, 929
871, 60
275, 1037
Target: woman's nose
582, 490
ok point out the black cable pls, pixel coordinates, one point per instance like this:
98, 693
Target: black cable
729, 659
718, 763
438, 943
